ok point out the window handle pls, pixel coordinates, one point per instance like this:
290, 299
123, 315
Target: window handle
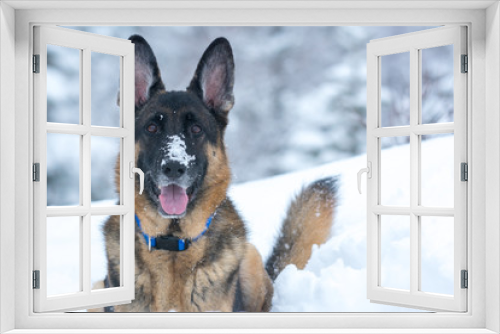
368, 172
133, 170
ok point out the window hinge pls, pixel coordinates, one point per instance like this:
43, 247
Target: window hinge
464, 171
36, 172
36, 63
465, 64
36, 279
465, 279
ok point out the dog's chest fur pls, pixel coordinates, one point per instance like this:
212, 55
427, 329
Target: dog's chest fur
202, 278
171, 276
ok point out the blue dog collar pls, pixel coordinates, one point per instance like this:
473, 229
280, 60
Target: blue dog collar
170, 242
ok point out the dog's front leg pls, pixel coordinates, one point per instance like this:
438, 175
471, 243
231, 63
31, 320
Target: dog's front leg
211, 290
256, 286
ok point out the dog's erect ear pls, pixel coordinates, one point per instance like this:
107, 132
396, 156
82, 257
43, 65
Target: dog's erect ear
214, 77
147, 74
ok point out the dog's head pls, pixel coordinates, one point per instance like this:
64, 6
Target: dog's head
179, 134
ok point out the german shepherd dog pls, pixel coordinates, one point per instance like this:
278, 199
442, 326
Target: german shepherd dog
201, 259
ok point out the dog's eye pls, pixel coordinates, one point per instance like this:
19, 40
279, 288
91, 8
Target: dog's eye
153, 128
196, 129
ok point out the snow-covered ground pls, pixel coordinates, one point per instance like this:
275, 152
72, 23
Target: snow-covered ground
334, 280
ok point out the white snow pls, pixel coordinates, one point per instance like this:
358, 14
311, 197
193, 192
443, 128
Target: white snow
334, 280
176, 148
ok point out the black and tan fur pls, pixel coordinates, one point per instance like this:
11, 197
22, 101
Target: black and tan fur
221, 271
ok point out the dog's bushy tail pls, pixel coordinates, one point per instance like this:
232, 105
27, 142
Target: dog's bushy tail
308, 221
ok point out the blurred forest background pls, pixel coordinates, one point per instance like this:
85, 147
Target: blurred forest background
300, 97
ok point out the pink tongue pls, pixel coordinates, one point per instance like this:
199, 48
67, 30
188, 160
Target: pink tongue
173, 199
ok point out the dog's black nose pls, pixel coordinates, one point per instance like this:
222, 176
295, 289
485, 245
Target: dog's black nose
173, 169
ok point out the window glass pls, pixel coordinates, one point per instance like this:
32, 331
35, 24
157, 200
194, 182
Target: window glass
63, 169
99, 260
63, 84
395, 171
437, 84
395, 89
437, 170
63, 255
106, 159
437, 246
105, 89
395, 252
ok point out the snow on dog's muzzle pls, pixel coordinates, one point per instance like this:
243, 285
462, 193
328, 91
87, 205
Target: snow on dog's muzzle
175, 179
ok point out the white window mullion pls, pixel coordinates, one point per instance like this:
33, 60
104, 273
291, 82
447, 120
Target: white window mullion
422, 129
75, 129
85, 177
414, 172
432, 129
85, 96
62, 211
85, 254
419, 211
395, 131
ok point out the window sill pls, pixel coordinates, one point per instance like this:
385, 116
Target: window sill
257, 331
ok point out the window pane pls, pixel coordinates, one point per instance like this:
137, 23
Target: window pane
395, 171
437, 250
395, 252
105, 166
395, 90
105, 78
99, 260
63, 169
437, 84
63, 84
437, 172
63, 255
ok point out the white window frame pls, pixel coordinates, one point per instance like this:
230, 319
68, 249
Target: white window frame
86, 44
413, 44
483, 20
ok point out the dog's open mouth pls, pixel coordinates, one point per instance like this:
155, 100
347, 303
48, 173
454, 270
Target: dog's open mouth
173, 199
